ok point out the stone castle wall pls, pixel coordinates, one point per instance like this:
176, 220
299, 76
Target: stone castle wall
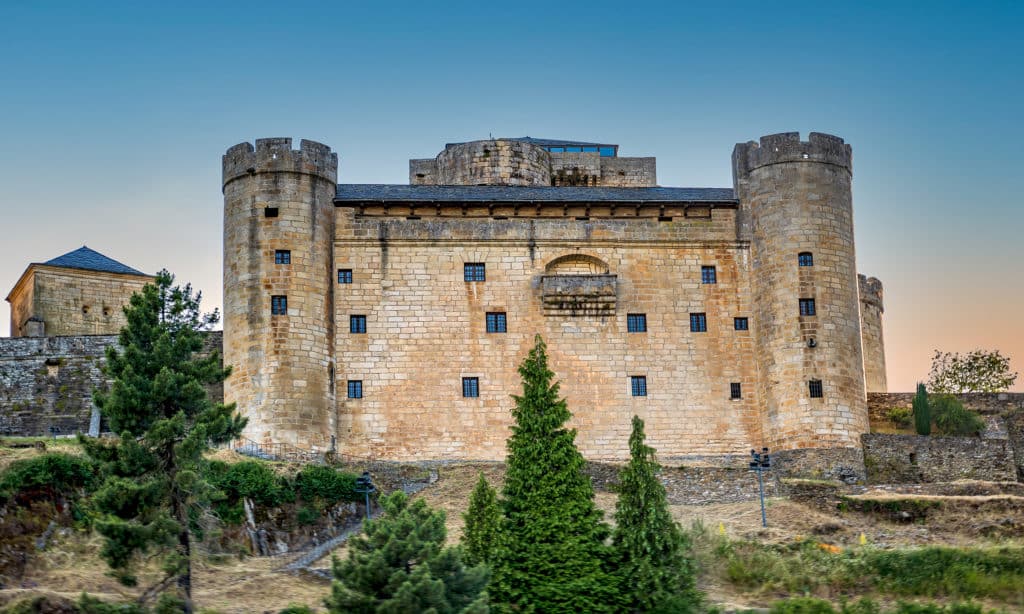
871, 309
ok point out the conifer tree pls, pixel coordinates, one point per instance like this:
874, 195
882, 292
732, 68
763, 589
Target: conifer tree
655, 573
399, 564
922, 412
482, 521
158, 402
551, 554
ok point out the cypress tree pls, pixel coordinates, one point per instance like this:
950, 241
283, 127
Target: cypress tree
551, 554
922, 412
399, 564
655, 573
482, 520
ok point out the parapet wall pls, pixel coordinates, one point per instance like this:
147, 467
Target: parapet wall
48, 382
871, 309
497, 162
787, 147
912, 458
277, 155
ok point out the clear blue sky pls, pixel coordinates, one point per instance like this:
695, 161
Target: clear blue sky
115, 116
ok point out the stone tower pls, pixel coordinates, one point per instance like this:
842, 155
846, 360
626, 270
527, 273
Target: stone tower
278, 295
871, 309
796, 208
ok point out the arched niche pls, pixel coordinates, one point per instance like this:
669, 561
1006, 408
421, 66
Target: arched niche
578, 285
577, 264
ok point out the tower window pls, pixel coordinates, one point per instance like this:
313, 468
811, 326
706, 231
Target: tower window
636, 322
741, 324
471, 387
806, 259
807, 307
279, 305
814, 387
357, 324
496, 322
638, 385
708, 275
698, 323
355, 388
282, 256
735, 390
344, 276
270, 212
473, 271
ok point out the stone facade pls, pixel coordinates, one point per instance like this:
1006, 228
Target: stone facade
912, 458
56, 301
871, 309
565, 256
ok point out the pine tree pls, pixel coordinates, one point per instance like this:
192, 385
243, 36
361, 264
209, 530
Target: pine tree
158, 402
551, 552
399, 564
922, 412
482, 521
655, 573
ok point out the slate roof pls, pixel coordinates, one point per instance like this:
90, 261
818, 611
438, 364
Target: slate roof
91, 260
379, 192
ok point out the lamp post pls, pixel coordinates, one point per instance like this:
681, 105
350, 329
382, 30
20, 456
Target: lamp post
761, 463
365, 485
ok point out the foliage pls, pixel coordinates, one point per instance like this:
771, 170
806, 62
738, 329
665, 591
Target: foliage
250, 479
324, 486
900, 416
399, 564
803, 605
655, 573
51, 476
551, 553
158, 402
297, 609
952, 418
811, 605
977, 371
922, 412
87, 604
483, 519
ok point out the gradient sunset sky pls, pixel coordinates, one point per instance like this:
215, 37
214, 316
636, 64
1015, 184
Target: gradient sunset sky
115, 116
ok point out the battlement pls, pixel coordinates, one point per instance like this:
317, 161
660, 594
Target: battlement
787, 147
870, 290
276, 155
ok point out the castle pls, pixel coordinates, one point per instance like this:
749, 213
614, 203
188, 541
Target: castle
389, 320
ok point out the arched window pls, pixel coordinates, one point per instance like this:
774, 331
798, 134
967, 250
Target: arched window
806, 259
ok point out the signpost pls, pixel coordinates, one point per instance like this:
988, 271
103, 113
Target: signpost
761, 463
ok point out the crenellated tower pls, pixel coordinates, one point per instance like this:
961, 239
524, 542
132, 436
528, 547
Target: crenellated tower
872, 307
278, 258
796, 208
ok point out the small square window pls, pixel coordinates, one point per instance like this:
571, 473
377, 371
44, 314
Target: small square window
814, 387
735, 390
473, 271
344, 276
357, 324
270, 212
638, 385
355, 388
636, 322
708, 275
698, 323
741, 324
807, 307
279, 305
806, 259
282, 256
470, 387
496, 322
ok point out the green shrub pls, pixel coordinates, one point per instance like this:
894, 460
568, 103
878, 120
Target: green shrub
254, 480
952, 572
325, 486
922, 412
307, 516
51, 475
952, 418
802, 605
900, 416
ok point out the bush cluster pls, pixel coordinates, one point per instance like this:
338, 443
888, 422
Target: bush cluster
50, 475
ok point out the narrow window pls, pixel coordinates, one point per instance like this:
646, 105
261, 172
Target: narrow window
279, 305
496, 322
355, 388
282, 256
357, 324
807, 307
344, 276
708, 275
638, 385
814, 386
270, 212
473, 271
698, 323
741, 324
806, 259
636, 322
735, 390
470, 387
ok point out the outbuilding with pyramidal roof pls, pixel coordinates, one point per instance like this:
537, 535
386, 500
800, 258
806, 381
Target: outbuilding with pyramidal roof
81, 292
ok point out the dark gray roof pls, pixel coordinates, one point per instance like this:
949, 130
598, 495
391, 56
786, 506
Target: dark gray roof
91, 260
546, 142
378, 192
